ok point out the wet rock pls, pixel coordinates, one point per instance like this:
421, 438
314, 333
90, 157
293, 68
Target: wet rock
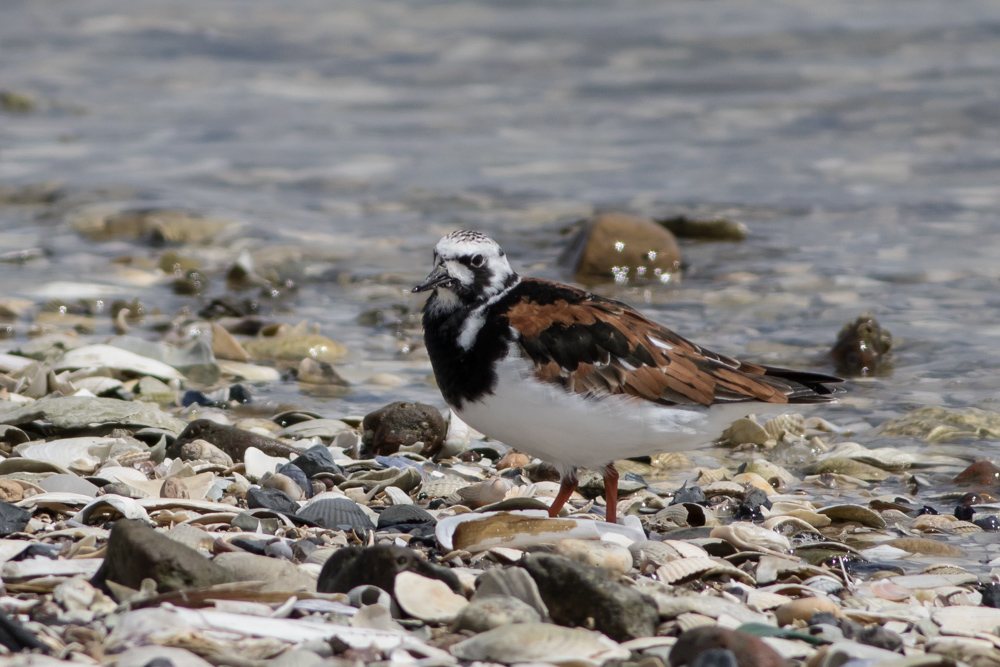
745, 431
862, 347
337, 513
750, 506
512, 582
136, 552
81, 411
272, 499
279, 549
314, 371
704, 229
748, 650
191, 283
155, 226
14, 102
980, 473
295, 473
492, 611
580, 595
378, 566
991, 595
315, 460
13, 519
404, 518
402, 424
612, 558
615, 247
689, 494
295, 347
231, 440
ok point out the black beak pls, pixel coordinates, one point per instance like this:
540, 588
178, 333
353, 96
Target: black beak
437, 277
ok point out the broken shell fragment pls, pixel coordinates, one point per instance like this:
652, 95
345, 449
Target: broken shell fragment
430, 600
539, 642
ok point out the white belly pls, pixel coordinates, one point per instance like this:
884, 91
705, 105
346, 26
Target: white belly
569, 430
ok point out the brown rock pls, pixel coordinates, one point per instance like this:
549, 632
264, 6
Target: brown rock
748, 650
862, 347
803, 609
10, 491
980, 473
513, 459
173, 488
402, 424
615, 247
233, 441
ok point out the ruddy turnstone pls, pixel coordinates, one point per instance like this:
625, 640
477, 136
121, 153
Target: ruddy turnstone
577, 379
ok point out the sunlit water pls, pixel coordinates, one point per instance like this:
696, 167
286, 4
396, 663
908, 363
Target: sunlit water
859, 141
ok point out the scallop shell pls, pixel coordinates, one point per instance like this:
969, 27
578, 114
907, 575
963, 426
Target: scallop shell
404, 514
80, 455
397, 496
770, 471
789, 526
337, 514
792, 424
443, 486
430, 600
688, 569
824, 583
744, 535
326, 429
756, 481
854, 513
731, 489
539, 643
709, 475
933, 523
887, 458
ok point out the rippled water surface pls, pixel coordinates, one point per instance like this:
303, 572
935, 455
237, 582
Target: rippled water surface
859, 141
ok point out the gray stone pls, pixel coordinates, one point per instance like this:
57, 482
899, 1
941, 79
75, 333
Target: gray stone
82, 411
491, 611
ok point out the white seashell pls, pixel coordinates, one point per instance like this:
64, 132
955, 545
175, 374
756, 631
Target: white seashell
747, 536
40, 566
80, 455
606, 555
756, 481
111, 504
482, 494
457, 438
789, 525
475, 532
792, 424
430, 600
684, 569
258, 463
723, 488
443, 486
660, 553
539, 643
398, 496
97, 384
249, 372
108, 356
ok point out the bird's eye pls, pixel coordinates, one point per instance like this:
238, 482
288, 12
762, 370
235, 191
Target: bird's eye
478, 260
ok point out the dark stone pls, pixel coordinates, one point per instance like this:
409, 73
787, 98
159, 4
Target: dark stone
879, 637
990, 524
926, 509
136, 552
403, 518
402, 424
581, 595
272, 499
689, 494
279, 549
864, 569
980, 473
317, 459
750, 506
338, 514
378, 566
964, 512
715, 657
13, 519
195, 397
748, 650
253, 546
40, 549
295, 473
991, 595
302, 548
233, 441
544, 472
862, 347
159, 662
18, 638
240, 393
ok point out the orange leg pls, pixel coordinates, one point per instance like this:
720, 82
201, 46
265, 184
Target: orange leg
611, 492
567, 485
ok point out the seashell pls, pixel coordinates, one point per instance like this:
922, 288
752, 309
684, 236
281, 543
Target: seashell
759, 600
430, 600
709, 475
481, 494
790, 526
516, 502
824, 583
755, 480
803, 609
539, 643
820, 552
283, 483
361, 596
926, 546
80, 455
688, 621
110, 505
257, 463
961, 596
484, 613
457, 438
405, 516
443, 487
745, 431
248, 372
671, 461
511, 582
688, 569
887, 590
477, 532
933, 523
613, 558
744, 535
814, 519
770, 471
337, 513
397, 496
842, 465
405, 479
108, 356
854, 513
772, 568
792, 424
731, 489
325, 429
660, 553
944, 568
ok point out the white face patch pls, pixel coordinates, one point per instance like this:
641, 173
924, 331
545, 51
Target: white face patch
459, 271
468, 257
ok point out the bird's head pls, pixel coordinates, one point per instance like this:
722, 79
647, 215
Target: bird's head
469, 268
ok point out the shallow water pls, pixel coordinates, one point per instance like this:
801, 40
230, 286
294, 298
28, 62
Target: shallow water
858, 141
